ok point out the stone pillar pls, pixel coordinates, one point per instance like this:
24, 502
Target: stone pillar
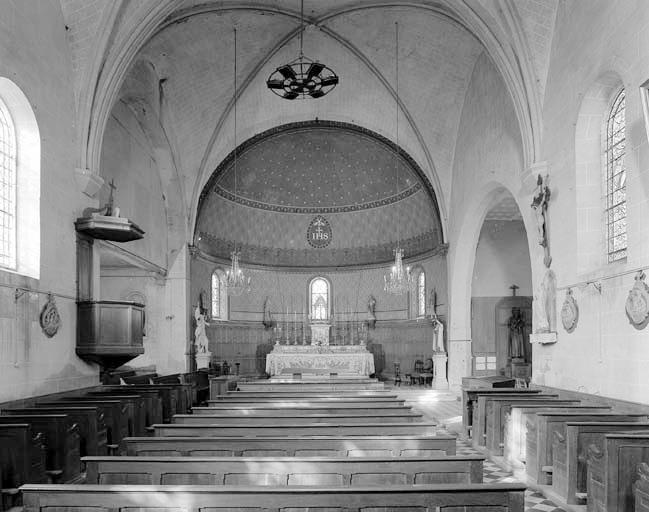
439, 364
459, 362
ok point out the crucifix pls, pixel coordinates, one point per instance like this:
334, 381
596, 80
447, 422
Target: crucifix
513, 288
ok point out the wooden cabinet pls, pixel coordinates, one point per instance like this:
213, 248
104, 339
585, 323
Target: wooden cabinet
109, 332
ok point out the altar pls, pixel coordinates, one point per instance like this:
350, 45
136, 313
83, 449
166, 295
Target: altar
345, 361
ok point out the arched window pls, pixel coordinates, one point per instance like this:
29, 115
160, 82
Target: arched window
7, 189
421, 294
219, 294
615, 177
319, 298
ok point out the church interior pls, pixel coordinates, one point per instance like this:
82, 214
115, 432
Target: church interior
324, 255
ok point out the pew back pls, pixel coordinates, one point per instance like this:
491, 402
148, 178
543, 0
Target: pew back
22, 455
116, 414
332, 446
284, 419
280, 471
77, 498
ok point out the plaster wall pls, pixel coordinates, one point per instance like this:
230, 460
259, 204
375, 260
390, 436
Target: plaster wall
34, 54
605, 354
502, 259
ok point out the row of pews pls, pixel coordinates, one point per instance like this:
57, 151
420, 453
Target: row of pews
577, 451
45, 439
343, 448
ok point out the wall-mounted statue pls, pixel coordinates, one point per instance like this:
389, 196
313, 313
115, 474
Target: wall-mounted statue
539, 207
371, 311
268, 321
545, 304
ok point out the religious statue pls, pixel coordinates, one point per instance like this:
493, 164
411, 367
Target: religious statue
539, 207
268, 315
438, 337
545, 300
516, 326
371, 311
433, 302
200, 338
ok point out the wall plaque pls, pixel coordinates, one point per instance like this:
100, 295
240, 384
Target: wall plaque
50, 319
319, 233
637, 303
569, 312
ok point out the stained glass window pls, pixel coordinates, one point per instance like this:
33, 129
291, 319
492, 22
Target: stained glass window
421, 294
615, 177
7, 189
319, 299
217, 289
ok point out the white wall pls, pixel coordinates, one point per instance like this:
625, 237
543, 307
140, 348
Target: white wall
605, 354
502, 259
34, 54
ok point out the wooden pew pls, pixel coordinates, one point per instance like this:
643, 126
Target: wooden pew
278, 471
569, 454
515, 439
538, 461
105, 498
272, 419
170, 397
297, 429
338, 394
92, 428
184, 389
153, 399
470, 398
358, 446
116, 415
612, 471
61, 440
137, 409
22, 460
479, 429
333, 386
299, 411
497, 409
308, 401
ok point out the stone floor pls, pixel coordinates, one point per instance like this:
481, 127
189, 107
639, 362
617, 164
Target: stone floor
445, 409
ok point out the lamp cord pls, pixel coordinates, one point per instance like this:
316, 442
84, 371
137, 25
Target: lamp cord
396, 148
235, 121
301, 27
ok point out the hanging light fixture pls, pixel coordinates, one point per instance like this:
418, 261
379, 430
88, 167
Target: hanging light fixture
399, 280
236, 281
302, 78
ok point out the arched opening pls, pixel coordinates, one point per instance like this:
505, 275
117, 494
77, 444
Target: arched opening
501, 294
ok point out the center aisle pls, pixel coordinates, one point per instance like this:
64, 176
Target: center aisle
443, 408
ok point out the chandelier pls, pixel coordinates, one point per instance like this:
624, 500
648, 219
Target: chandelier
399, 280
236, 281
302, 78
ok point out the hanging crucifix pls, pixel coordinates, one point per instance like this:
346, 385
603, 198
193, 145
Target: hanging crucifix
539, 207
513, 288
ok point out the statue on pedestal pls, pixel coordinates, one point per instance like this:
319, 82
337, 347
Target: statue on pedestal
438, 337
200, 338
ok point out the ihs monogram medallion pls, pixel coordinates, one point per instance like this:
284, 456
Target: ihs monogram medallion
319, 234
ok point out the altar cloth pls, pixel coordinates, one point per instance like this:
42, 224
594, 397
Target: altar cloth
357, 362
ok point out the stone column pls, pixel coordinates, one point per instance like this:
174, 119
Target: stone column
459, 362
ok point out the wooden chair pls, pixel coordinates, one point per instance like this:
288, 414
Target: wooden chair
414, 376
426, 374
397, 374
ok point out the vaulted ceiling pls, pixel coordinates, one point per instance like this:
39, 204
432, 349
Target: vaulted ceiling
174, 60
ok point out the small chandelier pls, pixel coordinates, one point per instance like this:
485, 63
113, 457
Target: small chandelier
399, 280
302, 78
236, 281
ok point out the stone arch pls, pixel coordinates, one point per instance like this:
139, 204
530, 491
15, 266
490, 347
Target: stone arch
461, 261
589, 127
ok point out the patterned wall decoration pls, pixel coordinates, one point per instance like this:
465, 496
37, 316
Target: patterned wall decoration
290, 174
319, 233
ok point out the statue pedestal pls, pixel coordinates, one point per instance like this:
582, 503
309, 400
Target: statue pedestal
440, 381
543, 337
203, 360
